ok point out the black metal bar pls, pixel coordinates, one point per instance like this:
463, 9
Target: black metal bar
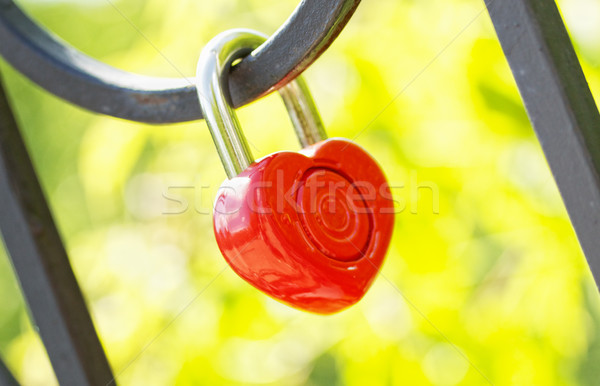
560, 106
6, 377
91, 84
42, 266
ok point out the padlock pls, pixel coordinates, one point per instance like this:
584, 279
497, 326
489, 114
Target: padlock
308, 228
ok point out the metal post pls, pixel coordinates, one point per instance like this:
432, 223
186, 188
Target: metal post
560, 106
6, 377
42, 266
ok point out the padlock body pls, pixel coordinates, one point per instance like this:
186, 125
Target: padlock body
309, 229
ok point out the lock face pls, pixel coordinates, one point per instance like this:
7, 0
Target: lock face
310, 229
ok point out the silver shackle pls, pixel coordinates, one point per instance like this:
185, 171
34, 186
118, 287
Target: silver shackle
212, 82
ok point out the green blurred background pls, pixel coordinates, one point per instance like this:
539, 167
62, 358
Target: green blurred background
495, 272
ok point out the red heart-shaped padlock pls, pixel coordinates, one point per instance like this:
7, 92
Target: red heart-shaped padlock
310, 229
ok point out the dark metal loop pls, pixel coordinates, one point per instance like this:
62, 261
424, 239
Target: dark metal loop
91, 84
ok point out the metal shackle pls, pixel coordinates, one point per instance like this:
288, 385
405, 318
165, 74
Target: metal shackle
213, 68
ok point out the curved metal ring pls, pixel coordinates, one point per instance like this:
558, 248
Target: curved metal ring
214, 67
91, 84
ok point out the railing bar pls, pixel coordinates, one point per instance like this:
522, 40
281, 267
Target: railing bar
560, 106
6, 377
40, 261
86, 82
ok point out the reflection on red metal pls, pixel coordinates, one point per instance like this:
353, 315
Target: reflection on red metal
309, 229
